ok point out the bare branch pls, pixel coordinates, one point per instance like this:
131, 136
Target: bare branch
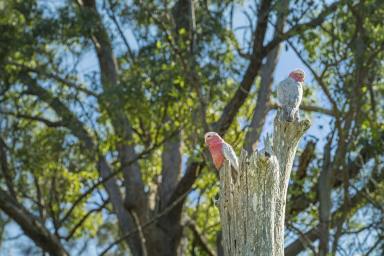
31, 226
261, 109
148, 223
201, 240
187, 181
123, 37
83, 219
359, 199
319, 80
241, 94
300, 28
5, 169
302, 170
105, 179
135, 197
309, 108
305, 240
303, 201
41, 71
47, 122
78, 129
233, 106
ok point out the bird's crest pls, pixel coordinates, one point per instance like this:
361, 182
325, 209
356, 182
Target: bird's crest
298, 75
209, 135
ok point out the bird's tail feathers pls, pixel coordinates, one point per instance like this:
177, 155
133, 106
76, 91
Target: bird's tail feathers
289, 114
236, 166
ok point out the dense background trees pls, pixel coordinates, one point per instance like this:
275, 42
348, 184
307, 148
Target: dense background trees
104, 104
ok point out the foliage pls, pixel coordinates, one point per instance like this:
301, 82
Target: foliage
84, 82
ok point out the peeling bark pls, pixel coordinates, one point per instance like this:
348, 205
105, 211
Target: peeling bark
252, 208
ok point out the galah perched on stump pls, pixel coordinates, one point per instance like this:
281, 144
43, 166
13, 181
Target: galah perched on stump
221, 150
290, 93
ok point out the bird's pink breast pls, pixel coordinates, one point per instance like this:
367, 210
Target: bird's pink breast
217, 154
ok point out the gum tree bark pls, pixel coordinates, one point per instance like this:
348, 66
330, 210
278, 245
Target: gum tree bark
252, 208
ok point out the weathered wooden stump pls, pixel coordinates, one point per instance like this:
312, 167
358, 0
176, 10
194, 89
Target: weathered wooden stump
252, 207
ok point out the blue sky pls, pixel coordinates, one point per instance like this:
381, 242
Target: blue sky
288, 61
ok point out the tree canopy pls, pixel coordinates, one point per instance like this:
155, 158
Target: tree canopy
104, 106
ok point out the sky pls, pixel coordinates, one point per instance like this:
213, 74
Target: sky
288, 61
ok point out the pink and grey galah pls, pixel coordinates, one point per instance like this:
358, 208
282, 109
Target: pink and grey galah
290, 94
220, 150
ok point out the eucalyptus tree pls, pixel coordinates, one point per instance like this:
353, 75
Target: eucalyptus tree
104, 105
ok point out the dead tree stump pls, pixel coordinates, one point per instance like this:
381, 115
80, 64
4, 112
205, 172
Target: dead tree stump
252, 207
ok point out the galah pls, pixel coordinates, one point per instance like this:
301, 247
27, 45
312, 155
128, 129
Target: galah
290, 94
221, 150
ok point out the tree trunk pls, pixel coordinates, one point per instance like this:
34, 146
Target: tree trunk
252, 207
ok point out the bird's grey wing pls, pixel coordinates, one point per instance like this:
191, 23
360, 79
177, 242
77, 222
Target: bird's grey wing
282, 92
293, 94
230, 155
